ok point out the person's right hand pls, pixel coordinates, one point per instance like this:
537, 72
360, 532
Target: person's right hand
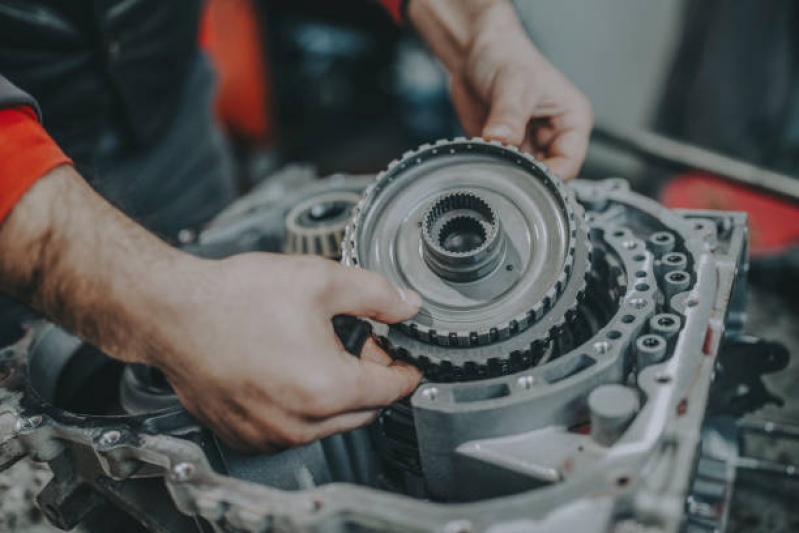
252, 352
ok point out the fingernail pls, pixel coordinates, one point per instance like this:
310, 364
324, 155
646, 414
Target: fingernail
410, 297
499, 131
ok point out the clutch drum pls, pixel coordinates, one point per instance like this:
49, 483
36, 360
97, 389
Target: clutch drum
493, 242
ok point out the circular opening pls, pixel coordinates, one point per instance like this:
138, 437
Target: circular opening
666, 321
639, 258
663, 379
628, 319
651, 342
677, 276
673, 259
663, 237
618, 233
640, 274
622, 481
642, 287
613, 334
326, 211
462, 235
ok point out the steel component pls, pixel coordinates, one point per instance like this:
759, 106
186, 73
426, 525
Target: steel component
611, 408
499, 299
531, 444
316, 224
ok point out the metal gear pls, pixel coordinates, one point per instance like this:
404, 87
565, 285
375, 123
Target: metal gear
494, 243
316, 225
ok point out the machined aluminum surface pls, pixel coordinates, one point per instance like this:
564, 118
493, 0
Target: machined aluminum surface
502, 319
507, 453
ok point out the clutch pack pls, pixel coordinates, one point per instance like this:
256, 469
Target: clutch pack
568, 337
495, 245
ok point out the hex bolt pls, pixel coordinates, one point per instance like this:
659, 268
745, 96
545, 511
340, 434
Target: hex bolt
109, 438
675, 282
667, 325
183, 471
612, 408
650, 349
673, 261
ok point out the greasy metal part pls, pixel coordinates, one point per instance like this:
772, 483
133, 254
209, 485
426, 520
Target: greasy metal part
499, 303
511, 452
652, 145
316, 225
462, 237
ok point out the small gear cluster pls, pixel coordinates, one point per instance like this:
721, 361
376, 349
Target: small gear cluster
494, 243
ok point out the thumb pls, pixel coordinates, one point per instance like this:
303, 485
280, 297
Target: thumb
505, 122
359, 292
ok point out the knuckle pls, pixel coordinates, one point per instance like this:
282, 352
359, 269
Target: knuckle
294, 436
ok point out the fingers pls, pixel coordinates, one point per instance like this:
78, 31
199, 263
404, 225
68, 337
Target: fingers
359, 292
507, 120
566, 153
372, 353
375, 385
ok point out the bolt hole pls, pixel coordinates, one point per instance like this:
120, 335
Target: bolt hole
639, 258
666, 321
640, 274
643, 287
613, 334
663, 379
509, 268
628, 319
622, 481
677, 276
651, 342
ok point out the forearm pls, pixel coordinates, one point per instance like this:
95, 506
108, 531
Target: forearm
82, 263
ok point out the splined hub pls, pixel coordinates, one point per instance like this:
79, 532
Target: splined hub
461, 237
493, 242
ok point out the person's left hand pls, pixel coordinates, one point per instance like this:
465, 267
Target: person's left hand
502, 87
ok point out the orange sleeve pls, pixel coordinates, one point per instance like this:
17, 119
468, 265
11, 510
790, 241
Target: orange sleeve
26, 153
396, 9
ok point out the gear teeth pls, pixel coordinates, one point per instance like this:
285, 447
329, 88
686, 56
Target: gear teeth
444, 369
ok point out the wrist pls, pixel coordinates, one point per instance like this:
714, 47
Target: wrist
454, 29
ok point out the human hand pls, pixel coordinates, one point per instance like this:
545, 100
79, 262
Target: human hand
255, 357
502, 87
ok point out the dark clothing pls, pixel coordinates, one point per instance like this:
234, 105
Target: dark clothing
135, 117
733, 87
95, 65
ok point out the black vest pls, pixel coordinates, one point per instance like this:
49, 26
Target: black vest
99, 65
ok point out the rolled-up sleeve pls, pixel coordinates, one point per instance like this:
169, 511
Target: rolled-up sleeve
27, 152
